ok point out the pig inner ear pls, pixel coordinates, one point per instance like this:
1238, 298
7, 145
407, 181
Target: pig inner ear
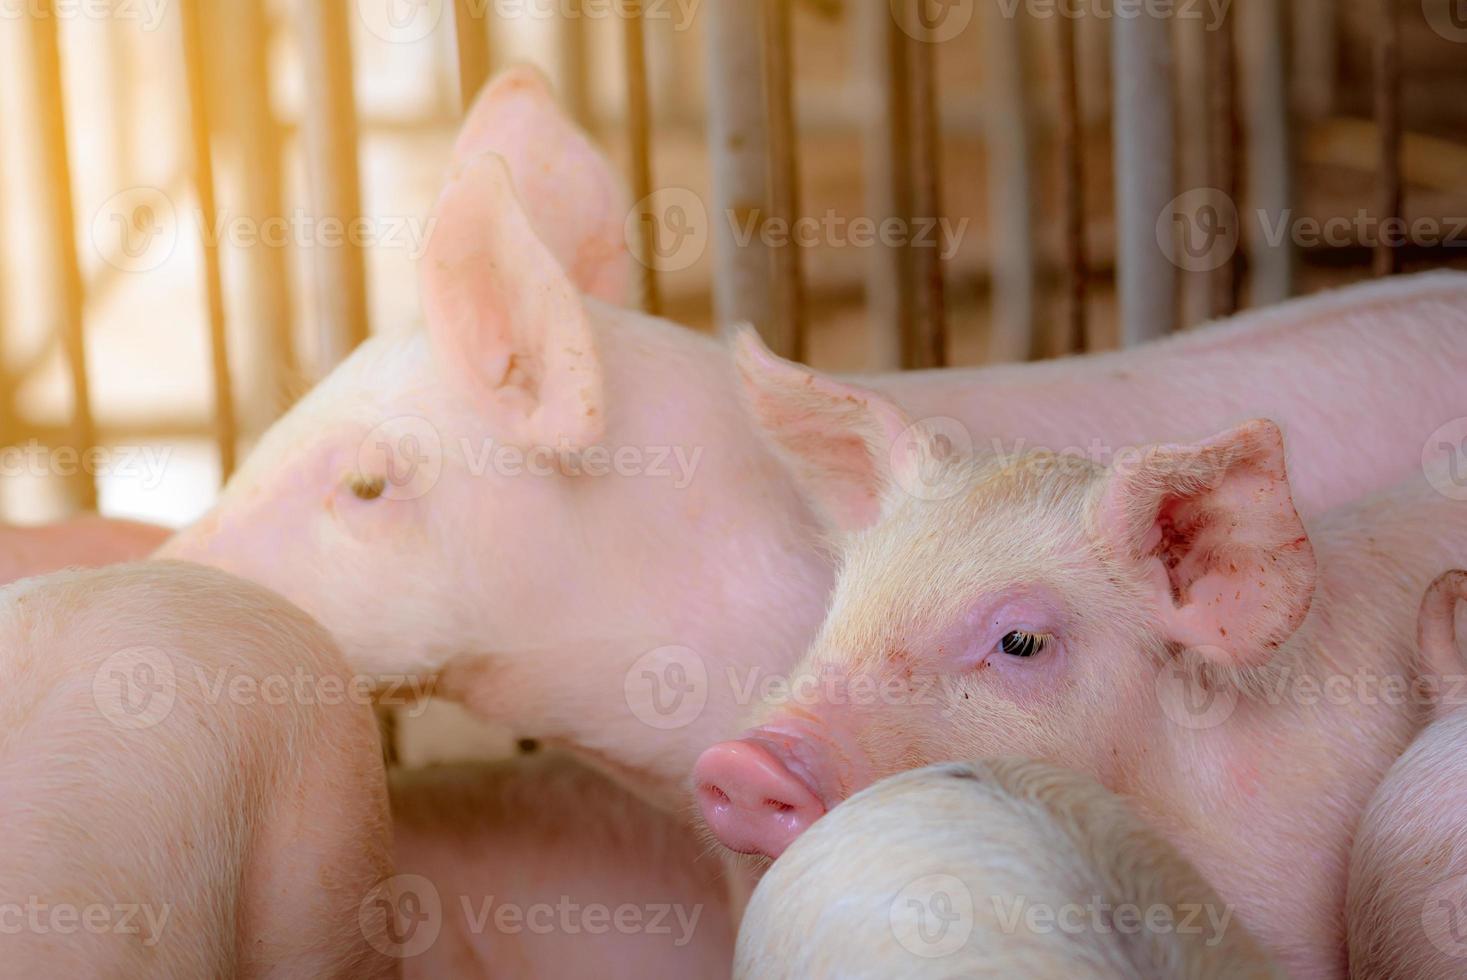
505, 321
1216, 527
575, 201
836, 438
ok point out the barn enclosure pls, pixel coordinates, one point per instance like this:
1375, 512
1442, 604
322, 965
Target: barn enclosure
205, 204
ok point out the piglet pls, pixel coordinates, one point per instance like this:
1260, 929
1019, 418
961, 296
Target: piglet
998, 868
83, 542
1164, 624
188, 786
1407, 902
540, 867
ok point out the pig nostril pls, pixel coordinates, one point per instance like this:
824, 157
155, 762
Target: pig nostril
717, 793
779, 805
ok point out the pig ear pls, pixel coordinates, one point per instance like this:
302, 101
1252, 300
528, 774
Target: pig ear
1436, 626
1224, 549
837, 439
575, 201
505, 321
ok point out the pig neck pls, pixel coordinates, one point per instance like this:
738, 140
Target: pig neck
1266, 803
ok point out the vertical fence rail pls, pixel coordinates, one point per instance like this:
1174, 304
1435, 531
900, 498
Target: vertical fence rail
241, 94
926, 346
1012, 334
1316, 56
331, 160
55, 165
1266, 143
200, 134
1146, 280
887, 178
639, 125
1389, 194
1072, 175
471, 42
1226, 134
738, 143
788, 324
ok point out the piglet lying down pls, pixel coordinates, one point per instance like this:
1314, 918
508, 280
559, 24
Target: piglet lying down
1001, 868
1166, 626
187, 789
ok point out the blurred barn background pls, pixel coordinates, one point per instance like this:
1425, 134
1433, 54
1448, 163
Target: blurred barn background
205, 203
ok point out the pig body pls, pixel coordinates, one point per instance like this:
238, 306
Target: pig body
544, 868
559, 511
1164, 625
1000, 868
1407, 902
164, 816
82, 542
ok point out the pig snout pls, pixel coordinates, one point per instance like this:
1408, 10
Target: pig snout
752, 799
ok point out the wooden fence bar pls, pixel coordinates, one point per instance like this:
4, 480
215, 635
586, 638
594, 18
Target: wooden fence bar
1389, 193
784, 178
926, 345
62, 259
471, 40
738, 143
639, 124
200, 131
881, 47
1072, 164
1226, 134
251, 133
1266, 144
1315, 71
1144, 164
331, 161
1012, 334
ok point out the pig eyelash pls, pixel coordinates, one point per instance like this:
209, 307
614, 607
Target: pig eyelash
1022, 643
366, 488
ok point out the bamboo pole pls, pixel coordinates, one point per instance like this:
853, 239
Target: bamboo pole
1225, 137
1316, 40
926, 346
1071, 150
784, 177
1012, 335
51, 150
200, 132
471, 42
1389, 192
331, 163
889, 286
1144, 167
639, 123
1267, 145
738, 143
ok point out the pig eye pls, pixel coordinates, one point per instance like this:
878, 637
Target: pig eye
1021, 643
366, 488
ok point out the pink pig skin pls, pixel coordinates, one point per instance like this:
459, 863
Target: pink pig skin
1244, 684
82, 542
146, 765
530, 862
532, 598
